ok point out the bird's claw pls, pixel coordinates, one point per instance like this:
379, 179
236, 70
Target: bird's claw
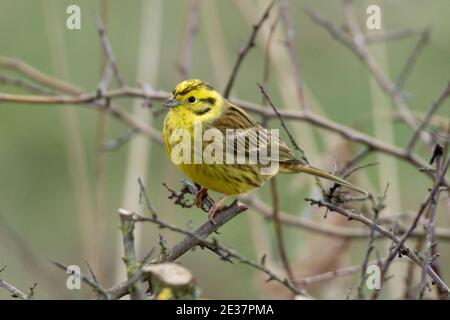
212, 212
199, 196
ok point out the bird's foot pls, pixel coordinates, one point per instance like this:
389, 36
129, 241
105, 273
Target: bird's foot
200, 195
215, 209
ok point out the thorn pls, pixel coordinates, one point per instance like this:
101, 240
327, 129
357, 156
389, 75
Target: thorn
263, 259
437, 152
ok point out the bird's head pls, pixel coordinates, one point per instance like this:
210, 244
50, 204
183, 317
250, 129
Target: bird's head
195, 99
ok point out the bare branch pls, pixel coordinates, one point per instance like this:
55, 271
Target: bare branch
290, 32
430, 241
24, 84
410, 62
391, 35
224, 253
243, 52
16, 293
325, 229
279, 229
131, 262
356, 43
400, 245
280, 117
190, 30
88, 280
433, 109
107, 49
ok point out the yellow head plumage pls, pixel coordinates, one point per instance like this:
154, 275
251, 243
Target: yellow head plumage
194, 100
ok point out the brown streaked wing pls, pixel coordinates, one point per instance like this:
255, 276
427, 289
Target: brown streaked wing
234, 117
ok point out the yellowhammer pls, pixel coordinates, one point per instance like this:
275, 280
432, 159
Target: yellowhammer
194, 102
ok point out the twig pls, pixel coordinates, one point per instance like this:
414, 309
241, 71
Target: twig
324, 229
410, 62
279, 229
431, 227
119, 141
291, 138
400, 246
266, 71
400, 243
357, 168
243, 51
356, 43
391, 35
90, 98
88, 280
190, 29
131, 262
433, 109
71, 89
93, 276
290, 32
376, 208
38, 76
199, 236
109, 53
16, 293
370, 247
24, 84
205, 230
26, 255
142, 128
359, 47
330, 275
143, 193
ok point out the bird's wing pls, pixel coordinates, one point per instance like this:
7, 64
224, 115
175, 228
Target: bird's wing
257, 138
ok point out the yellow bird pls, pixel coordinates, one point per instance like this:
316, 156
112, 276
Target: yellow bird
195, 102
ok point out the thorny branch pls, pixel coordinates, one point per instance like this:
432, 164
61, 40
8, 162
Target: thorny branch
401, 249
198, 238
430, 241
400, 246
16, 293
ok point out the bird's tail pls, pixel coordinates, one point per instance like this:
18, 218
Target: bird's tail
296, 167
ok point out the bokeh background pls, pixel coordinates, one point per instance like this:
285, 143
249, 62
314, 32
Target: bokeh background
60, 191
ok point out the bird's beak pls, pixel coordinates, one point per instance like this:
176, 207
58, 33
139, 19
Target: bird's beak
171, 103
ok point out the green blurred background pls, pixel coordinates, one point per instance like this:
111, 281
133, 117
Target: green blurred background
59, 193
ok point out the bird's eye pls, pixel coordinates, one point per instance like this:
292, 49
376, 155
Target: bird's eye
191, 99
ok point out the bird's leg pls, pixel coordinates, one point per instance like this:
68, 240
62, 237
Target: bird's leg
199, 196
215, 207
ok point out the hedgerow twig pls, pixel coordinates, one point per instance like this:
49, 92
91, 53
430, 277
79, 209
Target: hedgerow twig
16, 293
243, 52
433, 109
131, 262
400, 242
420, 45
430, 240
99, 289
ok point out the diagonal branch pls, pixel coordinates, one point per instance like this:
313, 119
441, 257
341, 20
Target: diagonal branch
16, 293
433, 109
244, 51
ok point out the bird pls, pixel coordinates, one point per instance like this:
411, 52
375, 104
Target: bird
194, 103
